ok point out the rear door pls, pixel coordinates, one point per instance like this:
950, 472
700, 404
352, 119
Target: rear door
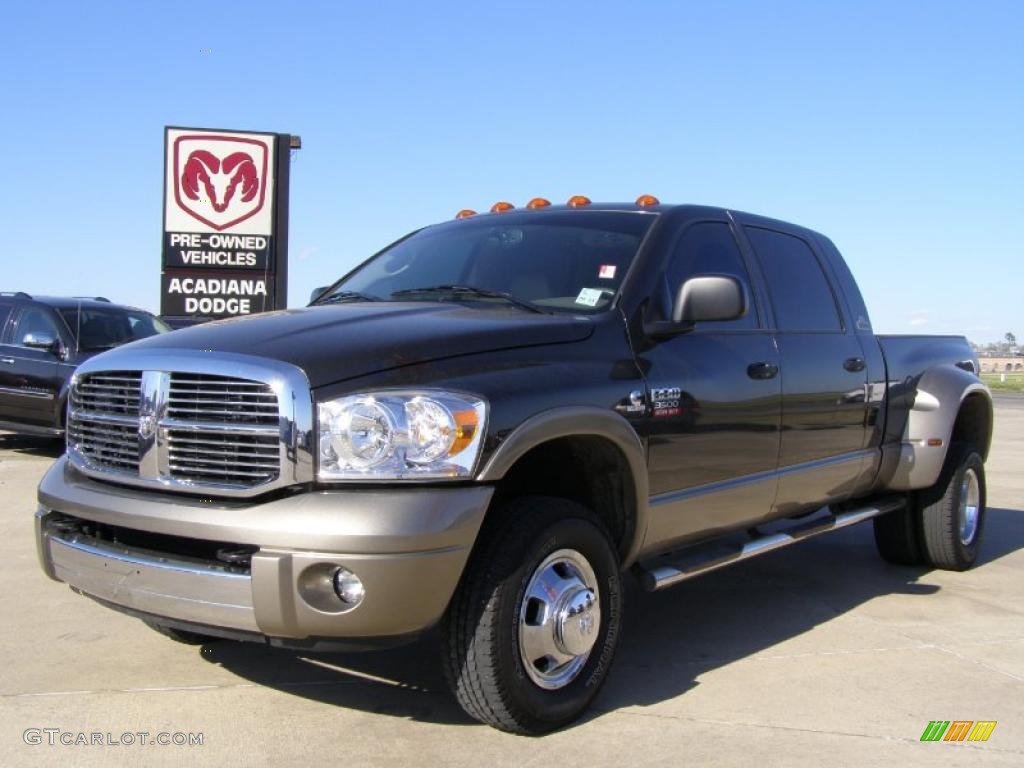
31, 379
713, 400
823, 373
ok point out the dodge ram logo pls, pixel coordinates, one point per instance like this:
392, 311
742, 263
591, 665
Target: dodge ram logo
220, 180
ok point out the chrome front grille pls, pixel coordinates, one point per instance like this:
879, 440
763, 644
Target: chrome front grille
192, 428
228, 458
104, 419
115, 392
225, 443
221, 399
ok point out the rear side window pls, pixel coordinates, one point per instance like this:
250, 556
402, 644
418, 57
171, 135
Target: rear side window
799, 291
708, 247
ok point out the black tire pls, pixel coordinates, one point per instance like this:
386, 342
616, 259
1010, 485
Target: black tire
480, 632
180, 635
942, 512
898, 536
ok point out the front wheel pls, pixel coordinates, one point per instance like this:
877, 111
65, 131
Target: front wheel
531, 632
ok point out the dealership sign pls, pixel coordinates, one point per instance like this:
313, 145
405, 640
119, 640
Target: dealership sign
225, 223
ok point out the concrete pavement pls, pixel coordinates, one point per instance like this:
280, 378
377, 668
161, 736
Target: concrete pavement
820, 653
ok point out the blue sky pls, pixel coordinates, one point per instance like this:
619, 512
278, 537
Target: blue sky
897, 128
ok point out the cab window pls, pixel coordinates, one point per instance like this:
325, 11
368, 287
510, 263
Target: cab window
708, 247
799, 291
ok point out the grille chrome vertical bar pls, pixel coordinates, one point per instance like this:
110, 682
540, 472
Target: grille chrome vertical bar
163, 459
149, 405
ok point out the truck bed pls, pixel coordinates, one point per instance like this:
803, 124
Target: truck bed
907, 356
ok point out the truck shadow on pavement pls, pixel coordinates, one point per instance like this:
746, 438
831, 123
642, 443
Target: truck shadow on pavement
29, 445
670, 640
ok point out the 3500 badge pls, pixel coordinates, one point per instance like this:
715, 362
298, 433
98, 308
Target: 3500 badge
665, 401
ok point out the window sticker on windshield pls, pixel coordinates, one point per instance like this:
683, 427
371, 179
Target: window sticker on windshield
589, 297
606, 272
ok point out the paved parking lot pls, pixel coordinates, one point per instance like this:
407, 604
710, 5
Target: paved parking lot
819, 654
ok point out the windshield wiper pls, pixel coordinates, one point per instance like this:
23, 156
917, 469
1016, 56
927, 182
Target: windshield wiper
468, 291
343, 296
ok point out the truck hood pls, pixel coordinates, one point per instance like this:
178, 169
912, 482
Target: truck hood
334, 343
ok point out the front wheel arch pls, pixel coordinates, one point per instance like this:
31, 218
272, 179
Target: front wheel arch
562, 427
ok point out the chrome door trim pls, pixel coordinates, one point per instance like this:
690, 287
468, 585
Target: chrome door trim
27, 393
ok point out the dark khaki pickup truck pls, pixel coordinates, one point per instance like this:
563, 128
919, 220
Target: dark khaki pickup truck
490, 424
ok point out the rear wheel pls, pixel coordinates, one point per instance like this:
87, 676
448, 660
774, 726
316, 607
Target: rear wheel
941, 526
953, 511
531, 632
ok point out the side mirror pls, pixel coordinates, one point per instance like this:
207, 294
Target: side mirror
42, 340
317, 293
707, 298
704, 298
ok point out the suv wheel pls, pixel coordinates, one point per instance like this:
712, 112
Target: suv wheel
531, 632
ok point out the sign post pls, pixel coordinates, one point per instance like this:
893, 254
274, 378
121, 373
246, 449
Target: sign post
225, 235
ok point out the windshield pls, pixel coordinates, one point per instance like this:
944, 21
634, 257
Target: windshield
559, 261
106, 328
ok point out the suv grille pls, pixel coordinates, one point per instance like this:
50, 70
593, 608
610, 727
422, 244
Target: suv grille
177, 429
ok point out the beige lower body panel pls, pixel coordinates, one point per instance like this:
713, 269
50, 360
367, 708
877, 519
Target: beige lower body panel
683, 517
299, 542
285, 594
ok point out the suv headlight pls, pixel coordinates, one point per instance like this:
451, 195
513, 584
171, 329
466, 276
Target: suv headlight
400, 436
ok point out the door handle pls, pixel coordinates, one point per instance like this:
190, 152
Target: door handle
762, 370
7, 360
854, 364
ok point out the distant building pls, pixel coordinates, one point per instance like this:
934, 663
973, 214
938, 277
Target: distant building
1001, 364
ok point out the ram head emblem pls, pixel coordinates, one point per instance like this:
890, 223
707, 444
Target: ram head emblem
205, 174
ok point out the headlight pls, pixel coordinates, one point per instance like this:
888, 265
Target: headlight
400, 436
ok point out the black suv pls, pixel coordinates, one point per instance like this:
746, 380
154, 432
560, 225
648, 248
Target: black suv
43, 339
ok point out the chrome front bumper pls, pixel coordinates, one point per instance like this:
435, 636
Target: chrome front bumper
407, 545
189, 592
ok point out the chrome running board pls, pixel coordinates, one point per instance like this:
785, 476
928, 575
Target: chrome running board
672, 568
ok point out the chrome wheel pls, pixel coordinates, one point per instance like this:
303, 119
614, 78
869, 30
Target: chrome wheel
559, 619
970, 507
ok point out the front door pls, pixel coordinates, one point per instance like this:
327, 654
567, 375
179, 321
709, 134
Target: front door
714, 405
30, 380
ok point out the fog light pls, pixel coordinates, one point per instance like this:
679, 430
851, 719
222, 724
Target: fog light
348, 587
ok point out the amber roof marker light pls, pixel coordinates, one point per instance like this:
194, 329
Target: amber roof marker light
578, 201
465, 213
538, 202
646, 201
501, 206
